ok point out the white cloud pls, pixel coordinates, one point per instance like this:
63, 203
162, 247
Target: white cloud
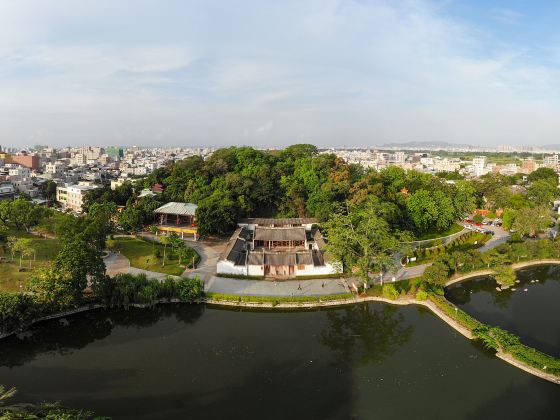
336, 72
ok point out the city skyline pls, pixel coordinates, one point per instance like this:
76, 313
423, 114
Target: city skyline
339, 73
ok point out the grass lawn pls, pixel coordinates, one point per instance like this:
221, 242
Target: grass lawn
455, 228
10, 276
141, 255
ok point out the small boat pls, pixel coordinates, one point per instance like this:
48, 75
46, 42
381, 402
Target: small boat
517, 281
498, 289
525, 290
513, 289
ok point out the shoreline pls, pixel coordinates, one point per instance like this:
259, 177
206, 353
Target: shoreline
317, 303
490, 271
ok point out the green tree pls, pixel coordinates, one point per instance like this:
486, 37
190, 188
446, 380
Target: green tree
216, 214
11, 242
81, 261
26, 215
508, 218
530, 221
362, 240
131, 219
23, 246
48, 190
52, 288
164, 240
423, 210
546, 174
437, 273
542, 192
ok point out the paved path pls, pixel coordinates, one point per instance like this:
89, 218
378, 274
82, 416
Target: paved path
276, 288
209, 254
500, 237
116, 263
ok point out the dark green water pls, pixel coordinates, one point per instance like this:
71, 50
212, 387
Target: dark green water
534, 314
369, 361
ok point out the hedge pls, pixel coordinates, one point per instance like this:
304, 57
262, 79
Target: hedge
19, 310
278, 299
239, 276
320, 276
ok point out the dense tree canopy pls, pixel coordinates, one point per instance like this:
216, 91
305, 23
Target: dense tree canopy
299, 181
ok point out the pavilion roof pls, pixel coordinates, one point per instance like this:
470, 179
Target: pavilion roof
181, 209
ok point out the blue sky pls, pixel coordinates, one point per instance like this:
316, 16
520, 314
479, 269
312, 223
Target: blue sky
271, 73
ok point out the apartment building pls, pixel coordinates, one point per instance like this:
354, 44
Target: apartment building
72, 196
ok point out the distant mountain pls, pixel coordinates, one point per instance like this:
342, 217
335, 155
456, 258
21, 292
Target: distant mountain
550, 147
426, 145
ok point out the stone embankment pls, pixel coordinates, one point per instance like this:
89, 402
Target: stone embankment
489, 272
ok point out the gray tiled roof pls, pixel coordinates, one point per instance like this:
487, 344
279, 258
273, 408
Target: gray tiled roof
263, 221
280, 234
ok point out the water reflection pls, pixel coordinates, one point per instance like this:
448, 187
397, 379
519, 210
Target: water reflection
529, 309
65, 335
366, 333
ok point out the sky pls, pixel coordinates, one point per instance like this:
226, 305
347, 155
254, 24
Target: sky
270, 73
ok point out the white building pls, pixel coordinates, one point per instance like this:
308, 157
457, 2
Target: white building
551, 161
72, 196
56, 168
19, 171
279, 248
479, 166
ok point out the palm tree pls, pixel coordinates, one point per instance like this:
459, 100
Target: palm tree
11, 242
23, 246
153, 229
182, 250
28, 251
164, 240
175, 242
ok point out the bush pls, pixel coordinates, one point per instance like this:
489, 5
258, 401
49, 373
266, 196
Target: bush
17, 312
275, 300
239, 276
189, 289
124, 290
421, 295
390, 291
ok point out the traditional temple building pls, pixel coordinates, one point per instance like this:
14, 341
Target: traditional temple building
280, 248
179, 218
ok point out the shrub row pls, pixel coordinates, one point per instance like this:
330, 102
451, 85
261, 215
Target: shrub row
126, 289
499, 339
239, 276
458, 315
19, 310
463, 242
278, 299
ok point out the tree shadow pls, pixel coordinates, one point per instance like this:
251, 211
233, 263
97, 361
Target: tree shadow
366, 333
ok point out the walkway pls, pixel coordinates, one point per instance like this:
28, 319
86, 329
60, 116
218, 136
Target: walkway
500, 237
206, 268
276, 288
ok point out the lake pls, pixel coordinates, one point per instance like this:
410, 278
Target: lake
193, 361
532, 311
